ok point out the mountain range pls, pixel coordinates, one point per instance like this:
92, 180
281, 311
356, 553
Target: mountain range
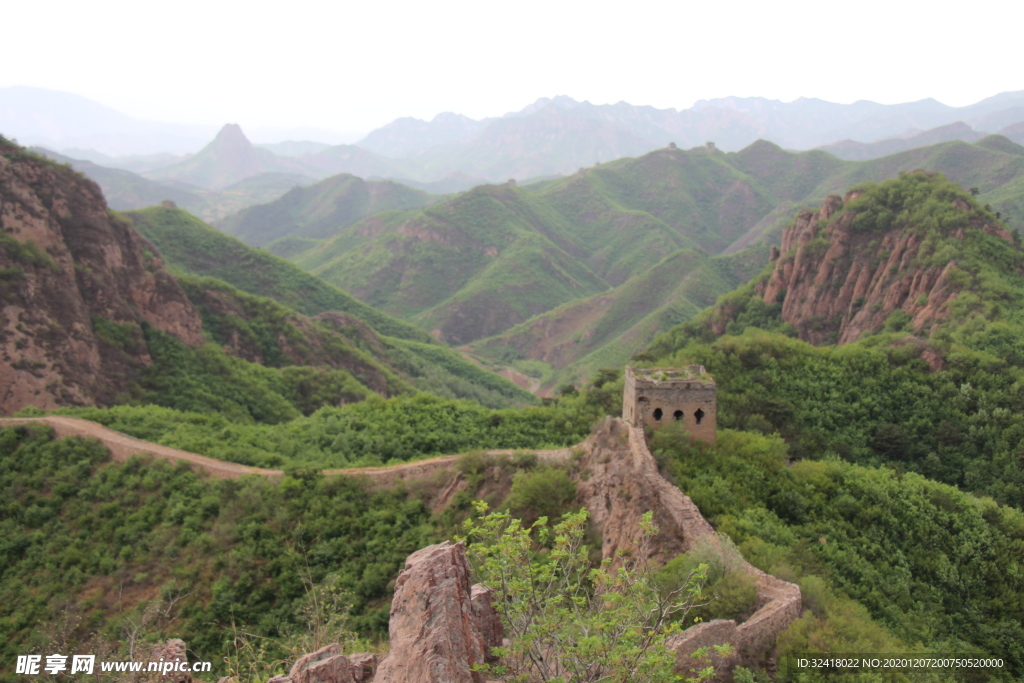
65, 121
475, 265
581, 272
551, 136
880, 475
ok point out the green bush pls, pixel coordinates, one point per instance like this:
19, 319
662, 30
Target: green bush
544, 491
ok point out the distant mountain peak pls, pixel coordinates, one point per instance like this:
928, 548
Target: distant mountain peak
231, 134
228, 159
560, 101
451, 117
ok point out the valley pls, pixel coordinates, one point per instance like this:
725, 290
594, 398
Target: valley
225, 408
617, 232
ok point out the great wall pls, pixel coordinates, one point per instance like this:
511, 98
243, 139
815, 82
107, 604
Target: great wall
621, 483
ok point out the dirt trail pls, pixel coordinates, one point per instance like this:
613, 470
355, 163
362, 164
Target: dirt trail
123, 447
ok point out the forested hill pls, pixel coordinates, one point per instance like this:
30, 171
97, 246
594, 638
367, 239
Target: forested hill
925, 288
93, 316
829, 453
318, 211
193, 247
478, 263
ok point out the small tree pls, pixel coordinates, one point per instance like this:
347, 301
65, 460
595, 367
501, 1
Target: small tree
568, 622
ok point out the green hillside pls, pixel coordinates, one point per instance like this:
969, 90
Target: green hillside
89, 544
833, 480
193, 248
887, 561
467, 267
481, 262
696, 194
320, 210
883, 476
190, 245
938, 396
573, 341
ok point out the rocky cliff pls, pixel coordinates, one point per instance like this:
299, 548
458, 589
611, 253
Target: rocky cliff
68, 269
840, 273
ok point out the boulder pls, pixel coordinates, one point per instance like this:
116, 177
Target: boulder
434, 626
328, 665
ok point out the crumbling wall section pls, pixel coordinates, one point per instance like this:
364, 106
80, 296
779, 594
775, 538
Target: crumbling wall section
780, 601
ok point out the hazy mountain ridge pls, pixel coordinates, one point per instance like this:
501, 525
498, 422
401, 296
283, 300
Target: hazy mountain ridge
732, 123
229, 158
64, 121
125, 190
850, 149
556, 136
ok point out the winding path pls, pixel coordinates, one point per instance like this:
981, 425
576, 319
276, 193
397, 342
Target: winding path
122, 447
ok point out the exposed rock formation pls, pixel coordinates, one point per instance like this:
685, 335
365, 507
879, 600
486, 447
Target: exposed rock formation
624, 483
328, 665
441, 628
437, 631
835, 284
66, 265
486, 621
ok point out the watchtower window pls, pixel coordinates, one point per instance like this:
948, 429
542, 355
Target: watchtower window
699, 415
658, 414
678, 415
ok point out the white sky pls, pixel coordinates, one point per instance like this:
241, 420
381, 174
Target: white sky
354, 66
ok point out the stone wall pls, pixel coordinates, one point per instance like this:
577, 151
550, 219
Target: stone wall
623, 484
691, 400
780, 601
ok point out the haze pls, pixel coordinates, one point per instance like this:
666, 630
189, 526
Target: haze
355, 66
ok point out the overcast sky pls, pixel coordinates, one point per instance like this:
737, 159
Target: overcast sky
355, 66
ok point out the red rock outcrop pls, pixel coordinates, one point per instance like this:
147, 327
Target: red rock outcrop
835, 284
328, 665
437, 632
65, 262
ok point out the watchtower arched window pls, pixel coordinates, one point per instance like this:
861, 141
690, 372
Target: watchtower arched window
658, 414
699, 415
678, 415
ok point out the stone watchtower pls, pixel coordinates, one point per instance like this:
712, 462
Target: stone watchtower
663, 396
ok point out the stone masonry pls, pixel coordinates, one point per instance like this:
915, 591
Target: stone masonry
655, 398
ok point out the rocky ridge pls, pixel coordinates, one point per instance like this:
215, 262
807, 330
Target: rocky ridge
836, 283
66, 263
